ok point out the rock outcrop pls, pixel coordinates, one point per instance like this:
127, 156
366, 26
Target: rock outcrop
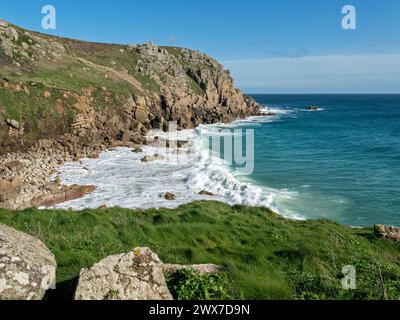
112, 95
66, 194
23, 47
387, 232
27, 267
136, 275
165, 84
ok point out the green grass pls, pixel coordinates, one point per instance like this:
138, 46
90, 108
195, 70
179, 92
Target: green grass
191, 285
263, 255
34, 110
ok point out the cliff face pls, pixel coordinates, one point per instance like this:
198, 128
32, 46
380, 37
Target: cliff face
53, 86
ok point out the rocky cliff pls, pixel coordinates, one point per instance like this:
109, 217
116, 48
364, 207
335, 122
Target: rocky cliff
51, 86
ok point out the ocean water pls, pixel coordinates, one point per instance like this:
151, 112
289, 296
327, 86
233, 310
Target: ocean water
340, 163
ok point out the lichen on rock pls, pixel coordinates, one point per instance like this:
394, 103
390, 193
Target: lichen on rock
27, 267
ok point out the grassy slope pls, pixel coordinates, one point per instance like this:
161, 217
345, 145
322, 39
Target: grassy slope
264, 255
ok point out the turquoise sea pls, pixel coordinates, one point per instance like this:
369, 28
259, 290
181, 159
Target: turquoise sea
341, 162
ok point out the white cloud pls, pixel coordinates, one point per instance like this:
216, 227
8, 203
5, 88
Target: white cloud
369, 73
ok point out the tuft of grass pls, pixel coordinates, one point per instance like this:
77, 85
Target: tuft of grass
263, 255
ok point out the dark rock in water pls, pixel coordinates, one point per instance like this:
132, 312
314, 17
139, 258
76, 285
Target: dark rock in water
313, 108
137, 150
153, 158
181, 143
159, 157
387, 232
169, 196
147, 159
206, 193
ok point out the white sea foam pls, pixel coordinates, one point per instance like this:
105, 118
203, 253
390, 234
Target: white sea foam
123, 180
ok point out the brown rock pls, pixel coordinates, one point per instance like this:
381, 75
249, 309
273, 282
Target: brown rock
49, 200
169, 196
141, 114
16, 182
206, 193
125, 136
4, 184
14, 165
94, 155
67, 194
53, 187
379, 229
87, 189
387, 232
73, 194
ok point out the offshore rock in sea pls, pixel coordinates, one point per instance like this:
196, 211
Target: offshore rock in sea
136, 275
27, 267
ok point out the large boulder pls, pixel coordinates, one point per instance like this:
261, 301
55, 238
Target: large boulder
27, 267
136, 275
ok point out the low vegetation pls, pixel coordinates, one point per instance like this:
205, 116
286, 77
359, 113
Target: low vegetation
189, 284
262, 255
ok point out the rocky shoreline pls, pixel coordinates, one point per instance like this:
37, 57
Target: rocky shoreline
31, 178
89, 97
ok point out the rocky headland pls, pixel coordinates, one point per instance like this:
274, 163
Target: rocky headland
63, 99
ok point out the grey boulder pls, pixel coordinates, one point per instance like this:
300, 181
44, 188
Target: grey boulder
136, 275
27, 267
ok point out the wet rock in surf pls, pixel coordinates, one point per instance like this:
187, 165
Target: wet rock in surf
206, 193
169, 196
153, 158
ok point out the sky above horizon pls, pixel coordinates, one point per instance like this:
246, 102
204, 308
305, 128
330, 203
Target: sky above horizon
284, 46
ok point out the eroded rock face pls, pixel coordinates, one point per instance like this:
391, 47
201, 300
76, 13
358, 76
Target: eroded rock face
27, 267
136, 275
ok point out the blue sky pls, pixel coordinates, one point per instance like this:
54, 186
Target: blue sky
286, 46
